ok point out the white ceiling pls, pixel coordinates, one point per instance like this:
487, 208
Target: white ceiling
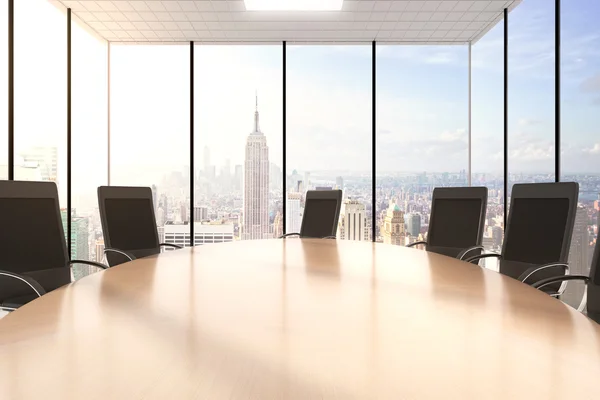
396, 21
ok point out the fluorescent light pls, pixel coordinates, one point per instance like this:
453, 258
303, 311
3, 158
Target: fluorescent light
293, 5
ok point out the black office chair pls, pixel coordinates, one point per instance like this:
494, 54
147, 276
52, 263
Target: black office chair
591, 295
321, 214
457, 221
538, 233
34, 258
128, 223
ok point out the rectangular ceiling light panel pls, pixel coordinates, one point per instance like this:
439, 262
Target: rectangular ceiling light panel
293, 5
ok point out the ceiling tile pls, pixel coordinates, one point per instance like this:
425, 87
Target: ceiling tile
133, 16
415, 21
139, 5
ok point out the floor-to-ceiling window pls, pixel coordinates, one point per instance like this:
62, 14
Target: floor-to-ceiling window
238, 140
580, 133
89, 142
329, 132
4, 91
150, 128
487, 132
40, 93
422, 134
531, 104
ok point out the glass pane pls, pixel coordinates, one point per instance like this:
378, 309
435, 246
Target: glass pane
580, 133
422, 122
41, 93
4, 91
150, 131
531, 93
487, 133
329, 132
239, 142
89, 143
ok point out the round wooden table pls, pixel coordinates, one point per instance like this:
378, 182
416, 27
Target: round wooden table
298, 319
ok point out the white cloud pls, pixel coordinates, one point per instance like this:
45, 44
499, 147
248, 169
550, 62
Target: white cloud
593, 150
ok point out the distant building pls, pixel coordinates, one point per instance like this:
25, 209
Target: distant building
179, 233
200, 214
155, 198
413, 224
353, 222
579, 257
275, 177
497, 236
293, 212
339, 183
183, 212
277, 225
393, 231
256, 185
79, 241
99, 250
46, 158
307, 180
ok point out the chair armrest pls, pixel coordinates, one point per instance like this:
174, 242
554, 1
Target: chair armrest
171, 245
29, 281
92, 263
463, 253
288, 234
131, 257
482, 256
530, 271
415, 244
565, 279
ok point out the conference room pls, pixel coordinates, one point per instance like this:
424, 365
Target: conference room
280, 199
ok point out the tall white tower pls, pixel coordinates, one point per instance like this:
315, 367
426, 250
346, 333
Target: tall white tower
256, 185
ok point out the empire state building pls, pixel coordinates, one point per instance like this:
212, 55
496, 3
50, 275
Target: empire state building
256, 185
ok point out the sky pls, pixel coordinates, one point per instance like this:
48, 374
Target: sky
422, 100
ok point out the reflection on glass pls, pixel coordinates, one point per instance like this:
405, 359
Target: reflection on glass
422, 139
329, 114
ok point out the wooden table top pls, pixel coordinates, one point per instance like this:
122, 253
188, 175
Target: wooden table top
298, 319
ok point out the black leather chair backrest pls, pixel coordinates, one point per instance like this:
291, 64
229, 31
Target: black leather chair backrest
128, 222
32, 238
593, 291
321, 213
457, 219
539, 228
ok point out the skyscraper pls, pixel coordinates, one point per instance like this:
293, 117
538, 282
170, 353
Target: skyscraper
293, 217
256, 184
393, 231
339, 183
353, 222
413, 224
